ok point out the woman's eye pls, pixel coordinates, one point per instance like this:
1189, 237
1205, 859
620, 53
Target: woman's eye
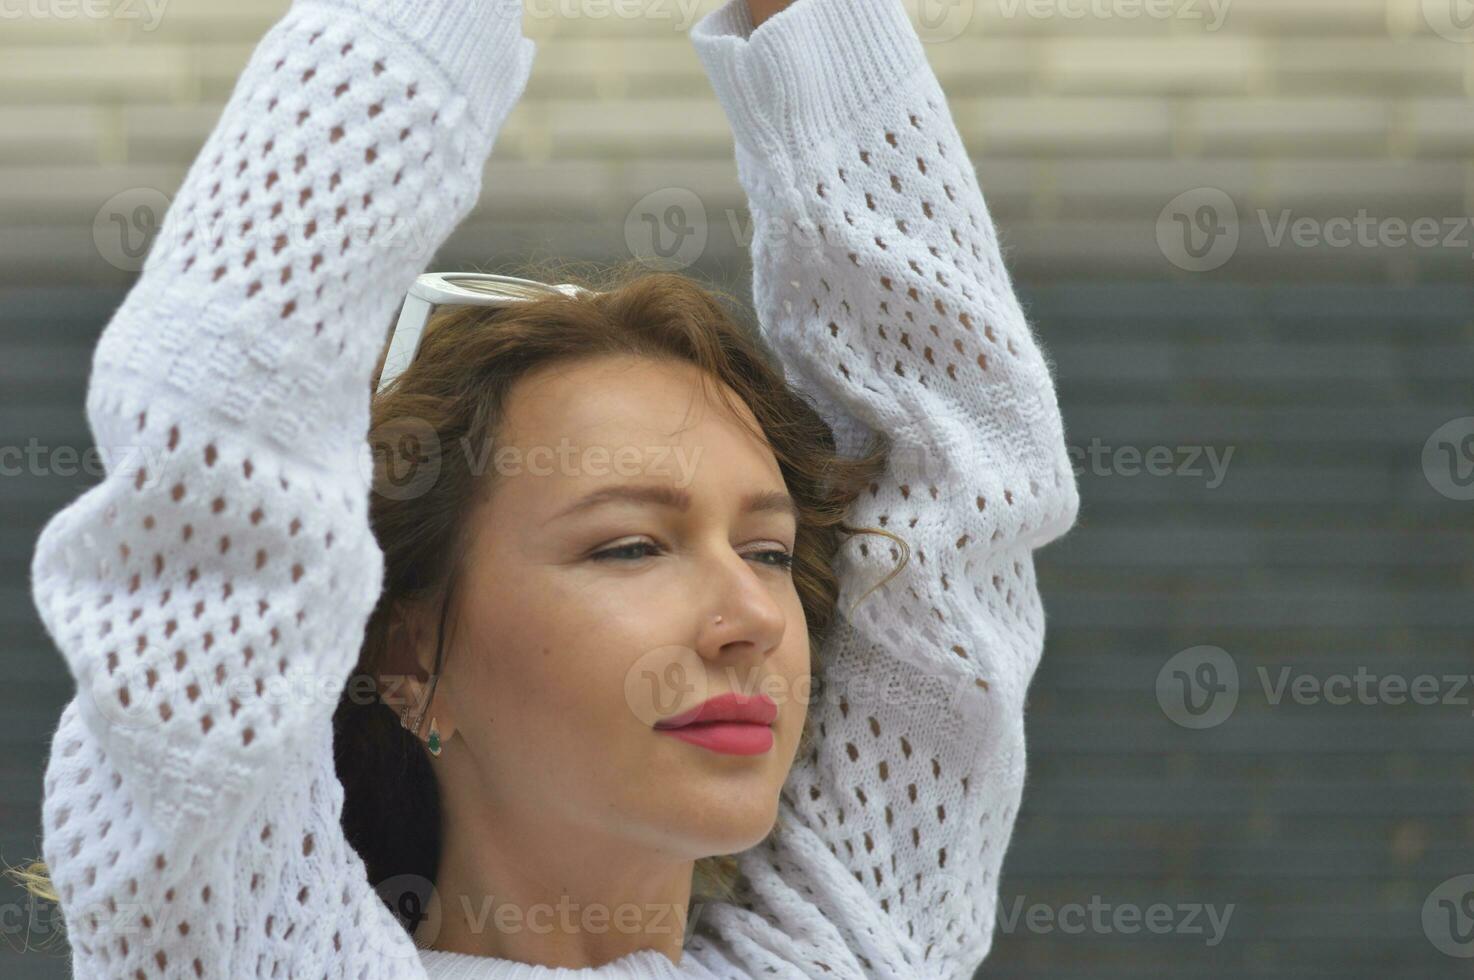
780, 559
777, 558
636, 549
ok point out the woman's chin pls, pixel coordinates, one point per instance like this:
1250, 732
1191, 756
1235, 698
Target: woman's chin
709, 829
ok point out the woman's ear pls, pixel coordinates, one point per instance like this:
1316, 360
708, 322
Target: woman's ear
404, 680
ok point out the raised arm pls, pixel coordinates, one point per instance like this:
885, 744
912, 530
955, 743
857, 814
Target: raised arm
209, 595
879, 280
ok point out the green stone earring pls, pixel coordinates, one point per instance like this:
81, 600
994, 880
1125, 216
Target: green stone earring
434, 738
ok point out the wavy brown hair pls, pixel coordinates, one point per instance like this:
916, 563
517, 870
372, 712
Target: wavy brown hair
425, 484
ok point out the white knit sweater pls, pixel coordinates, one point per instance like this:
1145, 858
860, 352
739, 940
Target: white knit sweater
191, 810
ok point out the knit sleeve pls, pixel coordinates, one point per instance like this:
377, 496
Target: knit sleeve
879, 281
209, 595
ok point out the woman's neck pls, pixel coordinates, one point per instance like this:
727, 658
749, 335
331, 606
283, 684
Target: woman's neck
529, 891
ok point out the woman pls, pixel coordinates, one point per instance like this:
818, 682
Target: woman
534, 759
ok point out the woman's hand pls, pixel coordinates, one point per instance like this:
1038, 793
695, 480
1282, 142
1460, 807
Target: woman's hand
761, 10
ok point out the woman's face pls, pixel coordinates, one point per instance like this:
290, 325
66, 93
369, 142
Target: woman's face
580, 626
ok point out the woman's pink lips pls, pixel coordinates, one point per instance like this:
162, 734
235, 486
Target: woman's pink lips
731, 723
731, 706
728, 737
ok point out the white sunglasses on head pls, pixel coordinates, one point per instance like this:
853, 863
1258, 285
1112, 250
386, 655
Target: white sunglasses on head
434, 289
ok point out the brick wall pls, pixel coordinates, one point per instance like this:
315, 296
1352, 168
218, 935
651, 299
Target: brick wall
1086, 127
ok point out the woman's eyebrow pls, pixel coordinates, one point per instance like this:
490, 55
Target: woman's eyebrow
664, 495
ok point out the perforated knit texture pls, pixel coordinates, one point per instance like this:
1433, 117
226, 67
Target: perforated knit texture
191, 812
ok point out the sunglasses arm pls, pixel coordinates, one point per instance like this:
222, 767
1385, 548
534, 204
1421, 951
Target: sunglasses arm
405, 342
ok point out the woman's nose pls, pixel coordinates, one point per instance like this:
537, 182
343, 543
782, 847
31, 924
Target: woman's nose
740, 611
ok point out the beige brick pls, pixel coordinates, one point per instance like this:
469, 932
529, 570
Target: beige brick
1135, 189
1381, 68
48, 134
984, 66
217, 67
1179, 65
1440, 127
568, 67
1081, 130
713, 180
196, 21
53, 31
504, 242
1047, 125
47, 253
519, 188
170, 22
74, 193
109, 74
167, 134
1295, 126
1090, 248
1340, 187
1316, 18
1418, 17
1113, 249
1008, 185
543, 129
632, 130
